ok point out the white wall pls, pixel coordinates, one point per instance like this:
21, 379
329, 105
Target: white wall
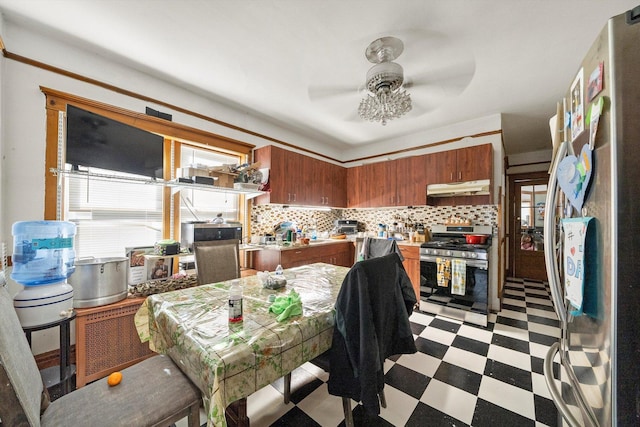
2, 204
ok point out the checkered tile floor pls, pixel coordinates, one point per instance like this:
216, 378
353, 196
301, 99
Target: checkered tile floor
462, 375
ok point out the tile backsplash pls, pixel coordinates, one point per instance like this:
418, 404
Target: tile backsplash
265, 217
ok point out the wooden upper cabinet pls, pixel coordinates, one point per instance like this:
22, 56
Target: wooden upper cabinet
284, 175
411, 181
355, 189
441, 167
475, 162
296, 179
337, 183
464, 164
400, 182
379, 184
326, 183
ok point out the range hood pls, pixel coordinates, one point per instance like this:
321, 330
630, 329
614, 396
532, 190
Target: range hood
469, 188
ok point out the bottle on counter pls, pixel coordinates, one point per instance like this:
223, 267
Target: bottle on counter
235, 302
279, 270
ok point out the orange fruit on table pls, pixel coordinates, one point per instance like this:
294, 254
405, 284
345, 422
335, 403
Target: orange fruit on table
114, 378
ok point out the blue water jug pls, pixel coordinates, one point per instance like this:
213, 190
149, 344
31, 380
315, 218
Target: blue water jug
42, 252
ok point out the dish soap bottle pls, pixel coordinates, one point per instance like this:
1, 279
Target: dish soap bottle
235, 302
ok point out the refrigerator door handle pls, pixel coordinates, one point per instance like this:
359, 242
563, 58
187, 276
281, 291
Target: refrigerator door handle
550, 235
556, 396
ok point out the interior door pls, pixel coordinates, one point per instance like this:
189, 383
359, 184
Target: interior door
527, 218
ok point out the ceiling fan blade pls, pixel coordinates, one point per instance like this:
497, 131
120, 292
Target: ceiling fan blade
321, 92
455, 77
421, 107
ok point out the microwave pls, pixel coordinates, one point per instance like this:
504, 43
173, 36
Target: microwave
204, 231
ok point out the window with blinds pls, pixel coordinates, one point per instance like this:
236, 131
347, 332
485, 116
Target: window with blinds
112, 215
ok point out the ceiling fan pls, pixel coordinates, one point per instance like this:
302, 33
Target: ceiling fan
385, 98
384, 94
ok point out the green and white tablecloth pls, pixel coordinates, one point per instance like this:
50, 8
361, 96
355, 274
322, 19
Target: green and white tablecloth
230, 361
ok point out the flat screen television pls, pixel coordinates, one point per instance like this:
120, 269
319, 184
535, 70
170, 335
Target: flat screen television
100, 142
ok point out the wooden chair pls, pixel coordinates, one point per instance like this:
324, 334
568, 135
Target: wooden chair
152, 393
217, 261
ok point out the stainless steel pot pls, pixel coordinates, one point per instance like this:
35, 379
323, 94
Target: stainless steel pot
99, 281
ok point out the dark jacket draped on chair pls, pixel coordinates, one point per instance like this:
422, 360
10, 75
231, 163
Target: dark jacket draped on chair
372, 323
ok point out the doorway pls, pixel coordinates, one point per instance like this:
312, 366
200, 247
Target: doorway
528, 193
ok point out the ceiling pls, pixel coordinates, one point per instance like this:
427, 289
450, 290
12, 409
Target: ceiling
302, 64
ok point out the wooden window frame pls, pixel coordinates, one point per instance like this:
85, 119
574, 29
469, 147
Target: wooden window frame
57, 101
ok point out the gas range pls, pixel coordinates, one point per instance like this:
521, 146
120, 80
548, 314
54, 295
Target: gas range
455, 274
450, 242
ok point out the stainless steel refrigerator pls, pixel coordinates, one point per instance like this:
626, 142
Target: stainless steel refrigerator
599, 351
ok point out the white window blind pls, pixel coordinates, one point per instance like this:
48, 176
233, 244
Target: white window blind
112, 215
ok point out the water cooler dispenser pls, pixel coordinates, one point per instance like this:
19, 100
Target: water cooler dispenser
43, 259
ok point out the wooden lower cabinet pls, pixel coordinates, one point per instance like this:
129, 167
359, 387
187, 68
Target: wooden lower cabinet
340, 253
411, 264
107, 340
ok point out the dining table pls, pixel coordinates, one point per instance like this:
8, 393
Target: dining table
229, 361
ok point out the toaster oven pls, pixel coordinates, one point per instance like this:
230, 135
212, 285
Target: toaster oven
204, 231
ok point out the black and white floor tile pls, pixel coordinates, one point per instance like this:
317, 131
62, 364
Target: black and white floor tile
462, 375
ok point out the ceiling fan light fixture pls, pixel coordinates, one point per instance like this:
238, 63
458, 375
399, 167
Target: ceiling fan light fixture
385, 100
384, 105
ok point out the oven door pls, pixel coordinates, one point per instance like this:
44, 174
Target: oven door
472, 306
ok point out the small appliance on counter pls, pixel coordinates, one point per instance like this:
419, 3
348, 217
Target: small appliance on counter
346, 226
43, 259
199, 231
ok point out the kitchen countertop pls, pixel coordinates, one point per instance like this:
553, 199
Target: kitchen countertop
314, 243
408, 243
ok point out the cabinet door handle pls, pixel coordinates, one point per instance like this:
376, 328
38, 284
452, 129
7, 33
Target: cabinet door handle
459, 176
451, 176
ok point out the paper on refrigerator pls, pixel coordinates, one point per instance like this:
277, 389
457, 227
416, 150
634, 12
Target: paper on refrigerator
578, 280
